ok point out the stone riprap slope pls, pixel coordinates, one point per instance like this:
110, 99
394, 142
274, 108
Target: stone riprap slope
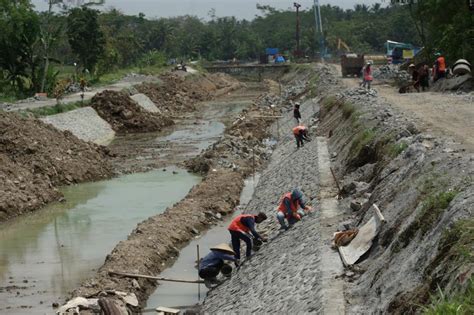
422, 184
285, 274
36, 158
84, 123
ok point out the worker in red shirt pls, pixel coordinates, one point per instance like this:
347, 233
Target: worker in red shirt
292, 207
241, 227
301, 133
440, 67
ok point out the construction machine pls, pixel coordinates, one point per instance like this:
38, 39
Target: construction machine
352, 64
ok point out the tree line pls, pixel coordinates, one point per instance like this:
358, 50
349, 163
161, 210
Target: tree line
33, 44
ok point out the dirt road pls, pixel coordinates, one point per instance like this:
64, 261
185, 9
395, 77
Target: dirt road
441, 114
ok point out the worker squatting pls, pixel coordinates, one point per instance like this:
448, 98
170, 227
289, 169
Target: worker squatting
291, 208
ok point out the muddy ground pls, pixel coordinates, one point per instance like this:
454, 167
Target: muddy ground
127, 155
37, 158
178, 143
224, 166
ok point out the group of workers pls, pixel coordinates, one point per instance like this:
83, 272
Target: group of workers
421, 76
290, 210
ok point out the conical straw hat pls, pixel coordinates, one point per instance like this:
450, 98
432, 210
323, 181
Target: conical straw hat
224, 247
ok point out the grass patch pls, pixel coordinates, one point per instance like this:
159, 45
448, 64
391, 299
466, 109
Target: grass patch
119, 74
347, 109
395, 149
313, 82
362, 139
53, 110
460, 303
431, 210
329, 102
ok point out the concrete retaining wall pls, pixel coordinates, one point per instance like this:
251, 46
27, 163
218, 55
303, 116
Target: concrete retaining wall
84, 123
145, 102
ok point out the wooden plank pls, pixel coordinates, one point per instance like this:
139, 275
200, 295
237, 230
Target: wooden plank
379, 213
131, 275
343, 257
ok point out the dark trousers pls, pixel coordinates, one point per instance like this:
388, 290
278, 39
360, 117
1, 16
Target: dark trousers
299, 140
211, 272
236, 237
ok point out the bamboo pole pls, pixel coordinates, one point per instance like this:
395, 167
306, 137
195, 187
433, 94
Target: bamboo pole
379, 213
199, 285
131, 275
337, 183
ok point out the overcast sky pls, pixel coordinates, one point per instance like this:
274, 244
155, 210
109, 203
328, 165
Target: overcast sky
239, 8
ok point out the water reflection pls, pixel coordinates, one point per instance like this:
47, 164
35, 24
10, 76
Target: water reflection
58, 247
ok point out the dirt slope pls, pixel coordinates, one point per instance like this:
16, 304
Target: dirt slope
125, 115
36, 159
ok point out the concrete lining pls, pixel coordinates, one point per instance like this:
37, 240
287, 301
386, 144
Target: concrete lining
331, 265
146, 103
84, 123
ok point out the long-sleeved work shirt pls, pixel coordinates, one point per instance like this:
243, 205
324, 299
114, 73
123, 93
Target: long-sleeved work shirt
250, 223
287, 204
214, 258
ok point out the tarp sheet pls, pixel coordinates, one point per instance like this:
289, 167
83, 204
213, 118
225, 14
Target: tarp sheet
362, 242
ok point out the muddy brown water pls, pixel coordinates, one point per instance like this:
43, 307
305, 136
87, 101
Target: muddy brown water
46, 254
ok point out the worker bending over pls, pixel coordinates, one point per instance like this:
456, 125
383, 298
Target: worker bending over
292, 207
301, 133
213, 263
239, 229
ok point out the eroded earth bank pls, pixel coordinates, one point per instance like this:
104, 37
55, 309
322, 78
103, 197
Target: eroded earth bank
421, 183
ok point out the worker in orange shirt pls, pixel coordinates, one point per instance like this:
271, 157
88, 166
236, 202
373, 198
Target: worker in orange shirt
240, 229
292, 207
301, 133
440, 67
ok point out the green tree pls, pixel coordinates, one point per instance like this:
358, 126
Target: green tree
85, 36
444, 25
19, 38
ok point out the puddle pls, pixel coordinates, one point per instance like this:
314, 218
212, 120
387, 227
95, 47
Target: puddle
191, 135
172, 294
201, 135
48, 253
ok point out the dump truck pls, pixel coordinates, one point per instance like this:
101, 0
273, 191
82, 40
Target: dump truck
352, 64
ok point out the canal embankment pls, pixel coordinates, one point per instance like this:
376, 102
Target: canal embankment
421, 183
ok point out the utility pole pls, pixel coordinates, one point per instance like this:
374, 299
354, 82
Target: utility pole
319, 28
297, 6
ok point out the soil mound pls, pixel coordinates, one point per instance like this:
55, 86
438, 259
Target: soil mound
125, 115
35, 158
179, 94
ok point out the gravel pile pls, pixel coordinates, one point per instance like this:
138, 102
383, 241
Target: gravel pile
391, 73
